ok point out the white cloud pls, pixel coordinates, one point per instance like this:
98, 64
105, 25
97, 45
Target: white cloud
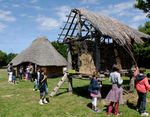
33, 1
139, 17
6, 16
119, 9
2, 27
62, 12
123, 6
89, 1
47, 23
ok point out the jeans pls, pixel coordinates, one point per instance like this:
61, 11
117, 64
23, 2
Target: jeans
141, 104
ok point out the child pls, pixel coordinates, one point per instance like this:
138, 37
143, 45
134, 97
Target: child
142, 87
116, 93
43, 88
14, 76
36, 77
135, 71
94, 89
20, 73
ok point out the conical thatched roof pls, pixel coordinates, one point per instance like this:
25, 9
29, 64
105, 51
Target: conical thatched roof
120, 33
40, 52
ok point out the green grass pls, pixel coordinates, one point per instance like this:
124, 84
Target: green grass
20, 101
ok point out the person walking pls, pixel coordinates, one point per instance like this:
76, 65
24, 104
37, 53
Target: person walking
43, 88
14, 76
20, 73
36, 77
115, 95
10, 72
142, 87
94, 89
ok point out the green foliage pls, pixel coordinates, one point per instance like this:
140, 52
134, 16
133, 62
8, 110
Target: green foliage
145, 28
61, 48
143, 5
142, 54
3, 58
10, 56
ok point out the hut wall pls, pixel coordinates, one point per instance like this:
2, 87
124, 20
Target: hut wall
107, 57
53, 71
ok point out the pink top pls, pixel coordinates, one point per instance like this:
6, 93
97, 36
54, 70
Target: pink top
143, 85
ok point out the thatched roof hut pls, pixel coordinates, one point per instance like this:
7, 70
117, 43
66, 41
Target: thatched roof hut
83, 25
41, 53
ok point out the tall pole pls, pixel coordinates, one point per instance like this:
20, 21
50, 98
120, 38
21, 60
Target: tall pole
97, 44
69, 67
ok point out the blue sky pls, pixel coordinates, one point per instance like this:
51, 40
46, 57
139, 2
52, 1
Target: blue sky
22, 21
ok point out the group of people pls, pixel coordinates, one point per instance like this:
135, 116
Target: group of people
38, 77
115, 95
139, 81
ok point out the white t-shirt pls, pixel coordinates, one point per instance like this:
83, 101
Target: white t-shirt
115, 78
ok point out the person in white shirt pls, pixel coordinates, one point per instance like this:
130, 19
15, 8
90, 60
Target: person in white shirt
116, 93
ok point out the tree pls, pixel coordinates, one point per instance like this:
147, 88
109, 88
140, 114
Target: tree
10, 56
143, 5
61, 48
142, 54
145, 28
3, 58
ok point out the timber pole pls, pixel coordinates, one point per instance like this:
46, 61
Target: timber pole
69, 67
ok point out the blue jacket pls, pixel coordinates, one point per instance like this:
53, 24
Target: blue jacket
94, 86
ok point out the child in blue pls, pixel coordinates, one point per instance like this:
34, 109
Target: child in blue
94, 89
43, 87
14, 76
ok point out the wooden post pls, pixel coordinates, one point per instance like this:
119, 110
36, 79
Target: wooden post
70, 86
79, 25
69, 58
97, 56
69, 67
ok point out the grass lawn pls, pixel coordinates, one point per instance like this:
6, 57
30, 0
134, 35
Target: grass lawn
21, 101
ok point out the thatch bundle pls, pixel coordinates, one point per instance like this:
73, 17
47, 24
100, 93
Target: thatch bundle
87, 64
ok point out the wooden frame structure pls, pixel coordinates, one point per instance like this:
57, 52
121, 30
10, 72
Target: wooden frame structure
83, 26
87, 32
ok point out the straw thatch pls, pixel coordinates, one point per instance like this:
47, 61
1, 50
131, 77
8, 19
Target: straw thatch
42, 53
107, 26
87, 64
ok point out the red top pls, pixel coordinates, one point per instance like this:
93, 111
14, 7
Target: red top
143, 85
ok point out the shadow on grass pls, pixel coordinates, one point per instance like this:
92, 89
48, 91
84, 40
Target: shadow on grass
61, 93
81, 91
131, 105
105, 90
